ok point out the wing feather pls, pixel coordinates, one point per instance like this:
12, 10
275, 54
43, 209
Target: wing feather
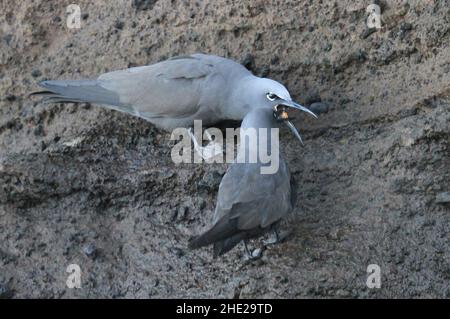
161, 89
264, 199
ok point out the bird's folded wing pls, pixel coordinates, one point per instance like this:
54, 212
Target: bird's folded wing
251, 198
171, 88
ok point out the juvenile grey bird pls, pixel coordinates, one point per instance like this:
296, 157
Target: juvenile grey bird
249, 203
175, 92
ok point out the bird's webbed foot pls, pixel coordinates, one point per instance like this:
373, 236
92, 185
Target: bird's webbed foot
254, 254
277, 237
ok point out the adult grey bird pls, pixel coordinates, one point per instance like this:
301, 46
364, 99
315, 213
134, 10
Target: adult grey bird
249, 203
175, 92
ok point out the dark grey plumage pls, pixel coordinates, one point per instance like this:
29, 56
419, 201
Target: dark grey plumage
249, 203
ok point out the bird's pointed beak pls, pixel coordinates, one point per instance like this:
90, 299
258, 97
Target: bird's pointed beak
297, 106
294, 130
281, 114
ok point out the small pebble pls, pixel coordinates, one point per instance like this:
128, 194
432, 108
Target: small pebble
39, 130
119, 25
10, 97
367, 32
8, 38
319, 107
143, 4
249, 61
443, 198
36, 73
275, 60
405, 26
90, 250
5, 291
257, 253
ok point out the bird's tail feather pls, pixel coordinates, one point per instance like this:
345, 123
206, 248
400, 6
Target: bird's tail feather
76, 91
224, 246
220, 231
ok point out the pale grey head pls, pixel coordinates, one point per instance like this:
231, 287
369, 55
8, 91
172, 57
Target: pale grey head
254, 92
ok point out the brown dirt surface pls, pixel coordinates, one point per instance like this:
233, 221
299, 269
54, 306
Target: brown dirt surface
82, 184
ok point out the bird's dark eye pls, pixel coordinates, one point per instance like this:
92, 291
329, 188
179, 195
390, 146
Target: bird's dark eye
271, 96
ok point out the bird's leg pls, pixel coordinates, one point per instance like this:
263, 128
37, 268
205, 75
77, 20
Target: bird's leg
198, 148
208, 136
277, 237
192, 136
274, 239
213, 149
246, 249
209, 151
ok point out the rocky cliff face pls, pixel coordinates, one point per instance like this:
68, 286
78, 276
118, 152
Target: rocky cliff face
81, 184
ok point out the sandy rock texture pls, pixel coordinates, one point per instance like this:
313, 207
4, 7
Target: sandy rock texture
81, 184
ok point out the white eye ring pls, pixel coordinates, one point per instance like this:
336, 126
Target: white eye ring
271, 96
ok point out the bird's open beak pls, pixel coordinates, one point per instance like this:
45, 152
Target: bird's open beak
297, 106
283, 116
294, 130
